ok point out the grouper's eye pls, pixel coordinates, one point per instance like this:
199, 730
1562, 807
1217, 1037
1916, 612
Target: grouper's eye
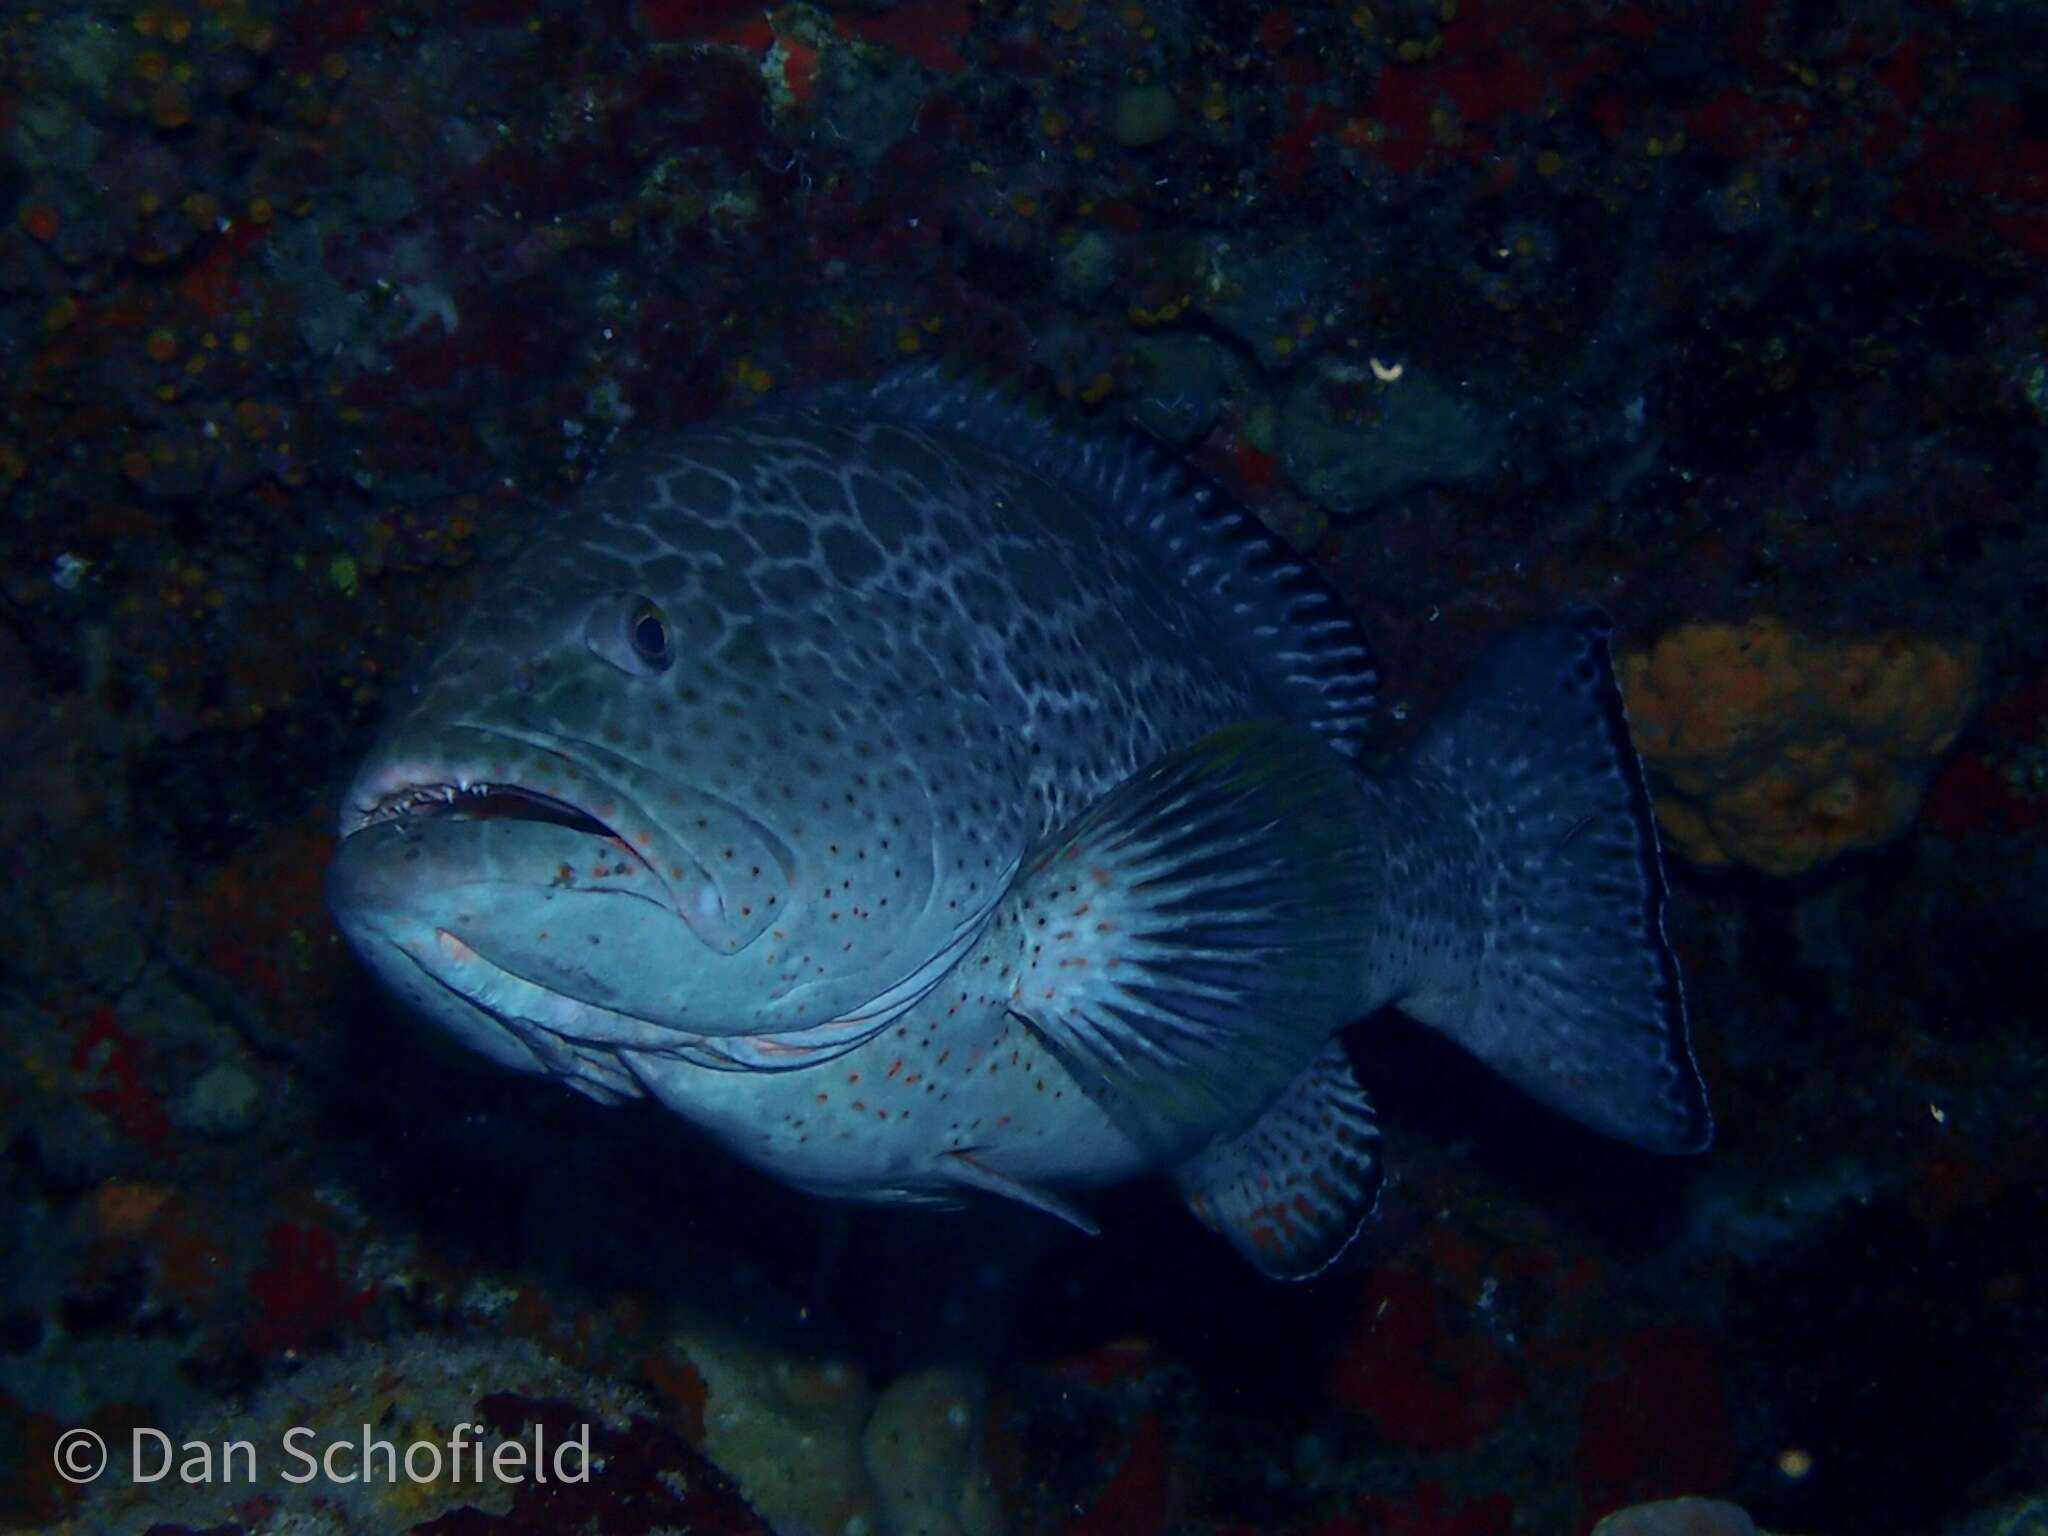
631, 633
650, 637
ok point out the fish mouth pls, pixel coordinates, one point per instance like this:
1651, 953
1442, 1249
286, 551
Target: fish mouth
411, 797
477, 802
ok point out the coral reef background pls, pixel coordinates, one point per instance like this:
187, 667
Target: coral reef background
1726, 315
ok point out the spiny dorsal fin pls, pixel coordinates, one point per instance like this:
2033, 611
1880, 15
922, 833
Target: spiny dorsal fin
1285, 618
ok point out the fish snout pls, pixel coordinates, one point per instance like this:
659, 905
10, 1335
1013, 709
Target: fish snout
370, 875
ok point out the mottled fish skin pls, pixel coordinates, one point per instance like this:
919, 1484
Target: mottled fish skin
901, 661
734, 791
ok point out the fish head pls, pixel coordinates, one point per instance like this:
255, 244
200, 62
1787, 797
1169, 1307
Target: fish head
561, 832
649, 797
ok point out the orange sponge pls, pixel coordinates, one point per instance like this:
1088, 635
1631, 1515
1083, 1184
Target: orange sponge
1778, 751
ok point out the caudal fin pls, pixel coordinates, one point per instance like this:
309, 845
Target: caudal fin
1574, 995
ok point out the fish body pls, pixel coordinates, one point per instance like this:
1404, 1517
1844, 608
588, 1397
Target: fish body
923, 800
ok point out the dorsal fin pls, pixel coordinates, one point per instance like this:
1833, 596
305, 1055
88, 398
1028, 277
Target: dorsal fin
1287, 620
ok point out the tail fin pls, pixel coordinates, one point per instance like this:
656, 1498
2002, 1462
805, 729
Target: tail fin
1574, 995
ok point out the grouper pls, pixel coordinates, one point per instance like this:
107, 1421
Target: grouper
933, 801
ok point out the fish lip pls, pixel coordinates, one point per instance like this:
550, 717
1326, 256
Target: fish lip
411, 797
406, 785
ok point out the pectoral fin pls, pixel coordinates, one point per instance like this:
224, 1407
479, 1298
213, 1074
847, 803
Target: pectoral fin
962, 1169
1197, 934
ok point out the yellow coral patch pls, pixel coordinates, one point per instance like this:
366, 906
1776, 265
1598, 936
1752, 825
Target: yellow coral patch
1779, 751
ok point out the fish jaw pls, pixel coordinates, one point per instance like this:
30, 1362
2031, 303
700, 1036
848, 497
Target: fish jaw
448, 982
474, 771
500, 914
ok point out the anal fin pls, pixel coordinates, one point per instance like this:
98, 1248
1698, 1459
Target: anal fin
1294, 1187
